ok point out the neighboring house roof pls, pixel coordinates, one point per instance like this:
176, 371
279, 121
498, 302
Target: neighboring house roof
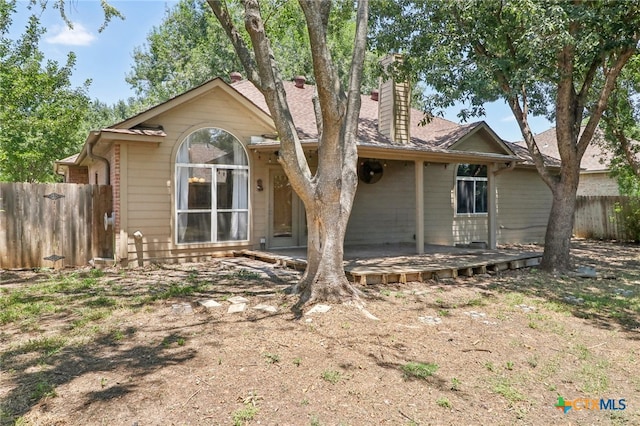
594, 160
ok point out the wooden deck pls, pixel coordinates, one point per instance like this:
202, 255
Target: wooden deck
401, 267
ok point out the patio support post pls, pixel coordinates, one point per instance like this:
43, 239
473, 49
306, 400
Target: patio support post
419, 185
492, 207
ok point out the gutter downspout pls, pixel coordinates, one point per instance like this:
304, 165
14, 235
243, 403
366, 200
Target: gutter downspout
93, 156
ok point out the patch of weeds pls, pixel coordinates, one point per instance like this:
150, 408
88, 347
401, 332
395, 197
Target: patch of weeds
101, 302
345, 325
504, 387
419, 370
331, 376
305, 402
489, 366
180, 341
509, 365
532, 361
96, 273
245, 414
533, 325
582, 352
385, 292
45, 345
594, 377
514, 298
315, 421
271, 358
178, 290
476, 301
455, 384
444, 313
562, 308
43, 389
400, 295
444, 402
297, 361
117, 335
242, 274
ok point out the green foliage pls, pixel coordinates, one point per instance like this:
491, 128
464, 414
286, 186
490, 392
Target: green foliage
190, 47
419, 370
629, 213
41, 114
331, 376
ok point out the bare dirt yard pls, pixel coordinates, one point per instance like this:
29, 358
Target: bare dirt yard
135, 347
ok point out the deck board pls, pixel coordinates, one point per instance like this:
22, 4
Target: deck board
449, 263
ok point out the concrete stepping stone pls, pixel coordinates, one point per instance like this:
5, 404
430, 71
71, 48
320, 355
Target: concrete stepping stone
237, 308
623, 292
210, 303
236, 300
526, 308
429, 320
181, 308
475, 314
266, 308
574, 300
318, 309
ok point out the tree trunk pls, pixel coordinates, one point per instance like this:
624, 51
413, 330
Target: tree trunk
557, 241
324, 278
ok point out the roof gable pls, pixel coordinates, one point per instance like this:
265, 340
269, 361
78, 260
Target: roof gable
197, 92
479, 137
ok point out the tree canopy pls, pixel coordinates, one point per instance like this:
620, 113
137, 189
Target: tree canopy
190, 47
41, 113
555, 58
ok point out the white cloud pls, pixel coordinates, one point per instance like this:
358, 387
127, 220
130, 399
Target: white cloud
78, 36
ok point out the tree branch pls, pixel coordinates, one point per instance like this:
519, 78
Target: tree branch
221, 11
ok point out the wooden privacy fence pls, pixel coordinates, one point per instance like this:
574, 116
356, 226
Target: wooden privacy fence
53, 225
596, 217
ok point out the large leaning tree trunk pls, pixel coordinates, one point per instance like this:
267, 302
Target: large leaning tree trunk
577, 96
329, 193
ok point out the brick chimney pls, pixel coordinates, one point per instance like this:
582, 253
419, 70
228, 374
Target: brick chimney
235, 77
299, 81
394, 109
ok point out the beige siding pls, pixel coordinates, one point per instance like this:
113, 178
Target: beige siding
438, 203
384, 212
592, 184
524, 203
480, 142
150, 177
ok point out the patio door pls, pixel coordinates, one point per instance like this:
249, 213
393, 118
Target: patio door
287, 220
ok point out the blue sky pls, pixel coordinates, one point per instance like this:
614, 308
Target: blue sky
105, 58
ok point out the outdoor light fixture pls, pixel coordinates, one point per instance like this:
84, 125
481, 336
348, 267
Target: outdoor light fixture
259, 186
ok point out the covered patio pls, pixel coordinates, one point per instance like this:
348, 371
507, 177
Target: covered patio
399, 263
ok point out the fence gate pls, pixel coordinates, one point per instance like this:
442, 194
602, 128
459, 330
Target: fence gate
53, 225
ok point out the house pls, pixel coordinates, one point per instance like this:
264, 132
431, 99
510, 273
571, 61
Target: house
198, 175
594, 174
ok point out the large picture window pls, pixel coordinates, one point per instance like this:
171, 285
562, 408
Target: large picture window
471, 189
212, 188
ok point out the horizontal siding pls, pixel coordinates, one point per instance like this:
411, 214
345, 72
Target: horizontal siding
384, 212
524, 203
480, 142
438, 204
150, 171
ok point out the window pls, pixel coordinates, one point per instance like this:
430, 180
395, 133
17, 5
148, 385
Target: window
212, 188
471, 189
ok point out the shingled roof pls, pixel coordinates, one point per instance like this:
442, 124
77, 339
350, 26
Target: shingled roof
436, 136
595, 159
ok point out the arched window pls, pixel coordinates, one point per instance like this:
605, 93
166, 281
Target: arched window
212, 188
471, 189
